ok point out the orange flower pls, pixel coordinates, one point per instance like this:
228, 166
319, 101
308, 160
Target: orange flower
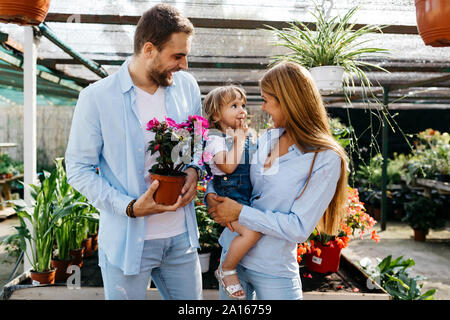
375, 236
318, 252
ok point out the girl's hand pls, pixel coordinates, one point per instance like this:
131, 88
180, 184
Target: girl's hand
227, 211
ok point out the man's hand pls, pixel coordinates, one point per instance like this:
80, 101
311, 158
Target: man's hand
146, 204
190, 187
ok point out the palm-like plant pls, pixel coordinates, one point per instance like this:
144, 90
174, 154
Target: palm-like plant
334, 42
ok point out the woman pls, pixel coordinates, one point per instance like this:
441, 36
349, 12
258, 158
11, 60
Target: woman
299, 181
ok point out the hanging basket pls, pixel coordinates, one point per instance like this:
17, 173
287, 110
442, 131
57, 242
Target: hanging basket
328, 78
23, 12
328, 261
433, 22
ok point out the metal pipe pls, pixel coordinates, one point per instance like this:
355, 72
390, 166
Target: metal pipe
88, 63
385, 141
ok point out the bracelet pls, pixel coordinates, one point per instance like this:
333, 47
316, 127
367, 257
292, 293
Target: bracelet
129, 210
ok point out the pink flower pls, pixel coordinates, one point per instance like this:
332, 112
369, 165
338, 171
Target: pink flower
203, 121
157, 147
152, 123
171, 123
200, 130
206, 156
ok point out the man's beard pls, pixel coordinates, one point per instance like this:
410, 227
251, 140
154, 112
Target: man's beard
161, 79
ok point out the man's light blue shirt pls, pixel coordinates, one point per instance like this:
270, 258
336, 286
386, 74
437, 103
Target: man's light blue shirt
106, 133
274, 211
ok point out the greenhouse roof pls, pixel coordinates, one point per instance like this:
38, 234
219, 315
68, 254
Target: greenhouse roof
231, 45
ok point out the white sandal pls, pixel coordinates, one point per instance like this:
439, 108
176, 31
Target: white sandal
231, 289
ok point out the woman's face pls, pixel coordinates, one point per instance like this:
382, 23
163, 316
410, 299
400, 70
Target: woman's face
273, 108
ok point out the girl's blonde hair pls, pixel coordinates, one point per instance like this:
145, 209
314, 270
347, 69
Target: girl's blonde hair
307, 123
217, 98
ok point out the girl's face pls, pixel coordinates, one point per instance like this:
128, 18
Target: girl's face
273, 108
231, 114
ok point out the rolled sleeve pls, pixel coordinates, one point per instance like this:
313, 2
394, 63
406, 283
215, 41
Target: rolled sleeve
298, 224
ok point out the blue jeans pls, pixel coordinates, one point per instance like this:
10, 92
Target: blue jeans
266, 287
173, 265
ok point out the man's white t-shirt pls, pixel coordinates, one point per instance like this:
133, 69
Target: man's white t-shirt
169, 223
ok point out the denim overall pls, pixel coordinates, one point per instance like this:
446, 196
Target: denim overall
236, 185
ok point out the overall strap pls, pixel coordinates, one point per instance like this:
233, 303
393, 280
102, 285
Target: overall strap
309, 176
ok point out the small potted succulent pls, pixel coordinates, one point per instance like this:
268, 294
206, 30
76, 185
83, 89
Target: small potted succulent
178, 145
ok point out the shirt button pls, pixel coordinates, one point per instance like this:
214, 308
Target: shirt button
140, 240
225, 178
140, 171
140, 149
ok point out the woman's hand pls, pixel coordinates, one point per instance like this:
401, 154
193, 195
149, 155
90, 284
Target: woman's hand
226, 211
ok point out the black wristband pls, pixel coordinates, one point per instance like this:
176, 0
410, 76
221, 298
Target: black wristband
129, 210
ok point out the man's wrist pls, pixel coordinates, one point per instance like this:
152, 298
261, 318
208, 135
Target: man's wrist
197, 169
129, 211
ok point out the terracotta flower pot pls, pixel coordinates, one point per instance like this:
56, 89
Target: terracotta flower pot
420, 235
433, 22
169, 188
61, 268
77, 256
87, 245
328, 261
23, 12
46, 277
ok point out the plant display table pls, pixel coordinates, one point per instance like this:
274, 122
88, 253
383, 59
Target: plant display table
349, 283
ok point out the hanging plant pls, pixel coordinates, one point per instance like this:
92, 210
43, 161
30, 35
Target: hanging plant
334, 42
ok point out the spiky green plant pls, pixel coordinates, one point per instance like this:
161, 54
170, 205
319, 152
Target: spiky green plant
334, 42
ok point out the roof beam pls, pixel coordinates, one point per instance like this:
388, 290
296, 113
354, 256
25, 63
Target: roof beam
204, 22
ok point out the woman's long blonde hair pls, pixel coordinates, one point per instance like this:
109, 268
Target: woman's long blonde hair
307, 123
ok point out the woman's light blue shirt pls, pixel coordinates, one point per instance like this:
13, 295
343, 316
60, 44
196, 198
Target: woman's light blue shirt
106, 133
274, 210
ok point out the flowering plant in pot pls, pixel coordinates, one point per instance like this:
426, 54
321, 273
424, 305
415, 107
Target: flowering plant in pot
178, 145
323, 250
333, 45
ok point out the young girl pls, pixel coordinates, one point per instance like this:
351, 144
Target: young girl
230, 144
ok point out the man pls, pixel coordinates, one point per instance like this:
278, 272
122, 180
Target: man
139, 238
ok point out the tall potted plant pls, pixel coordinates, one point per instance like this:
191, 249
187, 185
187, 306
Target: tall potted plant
330, 51
177, 144
43, 215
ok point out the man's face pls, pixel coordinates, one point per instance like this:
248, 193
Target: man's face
172, 58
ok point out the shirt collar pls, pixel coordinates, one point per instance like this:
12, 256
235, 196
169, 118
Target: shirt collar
277, 132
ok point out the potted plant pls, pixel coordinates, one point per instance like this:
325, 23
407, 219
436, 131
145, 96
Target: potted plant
331, 50
323, 251
433, 23
177, 144
23, 12
209, 230
6, 167
423, 213
43, 215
